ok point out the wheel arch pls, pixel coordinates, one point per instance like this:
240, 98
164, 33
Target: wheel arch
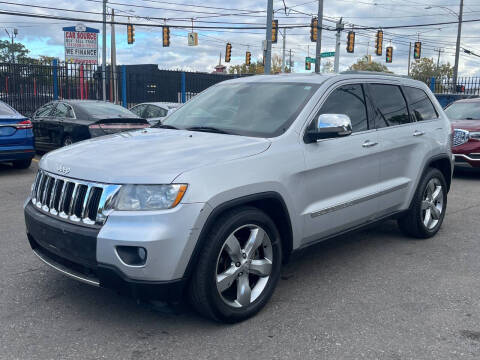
269, 202
444, 164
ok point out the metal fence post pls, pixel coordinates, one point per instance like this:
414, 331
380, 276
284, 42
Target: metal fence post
124, 86
432, 84
184, 96
55, 79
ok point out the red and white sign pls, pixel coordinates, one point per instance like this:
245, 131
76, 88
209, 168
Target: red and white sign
81, 45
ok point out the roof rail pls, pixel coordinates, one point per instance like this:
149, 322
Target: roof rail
364, 72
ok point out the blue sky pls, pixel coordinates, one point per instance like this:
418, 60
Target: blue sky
45, 37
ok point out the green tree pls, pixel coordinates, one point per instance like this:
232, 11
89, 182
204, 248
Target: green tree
426, 68
19, 51
257, 67
366, 64
327, 66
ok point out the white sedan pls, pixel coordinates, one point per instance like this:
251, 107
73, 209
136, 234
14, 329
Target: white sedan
154, 112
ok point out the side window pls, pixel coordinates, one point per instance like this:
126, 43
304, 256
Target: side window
348, 100
44, 111
138, 110
155, 111
61, 111
390, 106
421, 108
70, 112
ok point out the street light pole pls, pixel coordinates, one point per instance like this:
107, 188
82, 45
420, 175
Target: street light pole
457, 48
104, 52
319, 36
268, 37
283, 51
339, 27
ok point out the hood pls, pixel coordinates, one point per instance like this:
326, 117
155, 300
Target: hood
149, 156
470, 125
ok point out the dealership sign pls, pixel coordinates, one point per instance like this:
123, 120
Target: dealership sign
81, 44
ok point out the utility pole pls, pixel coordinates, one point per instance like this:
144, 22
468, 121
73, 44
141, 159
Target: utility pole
336, 64
457, 49
13, 35
104, 51
438, 58
268, 37
319, 36
283, 51
409, 56
113, 59
290, 61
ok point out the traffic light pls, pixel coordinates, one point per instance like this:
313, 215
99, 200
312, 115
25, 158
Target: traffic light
166, 36
313, 29
130, 34
389, 54
417, 50
248, 57
379, 43
308, 65
228, 52
274, 31
350, 42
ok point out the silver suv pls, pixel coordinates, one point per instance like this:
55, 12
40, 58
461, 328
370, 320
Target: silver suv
209, 204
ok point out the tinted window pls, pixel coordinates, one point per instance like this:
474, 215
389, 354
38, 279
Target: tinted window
390, 106
6, 110
246, 108
138, 110
348, 100
44, 110
61, 111
155, 111
464, 111
421, 107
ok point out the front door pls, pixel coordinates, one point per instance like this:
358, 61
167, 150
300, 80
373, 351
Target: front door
341, 173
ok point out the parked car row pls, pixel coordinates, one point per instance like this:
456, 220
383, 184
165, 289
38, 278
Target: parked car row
64, 122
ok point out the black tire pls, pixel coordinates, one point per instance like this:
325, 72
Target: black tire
411, 224
22, 164
203, 292
67, 140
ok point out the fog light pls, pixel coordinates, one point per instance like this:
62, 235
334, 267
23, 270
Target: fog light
132, 255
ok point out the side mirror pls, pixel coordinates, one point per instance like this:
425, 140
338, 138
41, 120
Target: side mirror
329, 126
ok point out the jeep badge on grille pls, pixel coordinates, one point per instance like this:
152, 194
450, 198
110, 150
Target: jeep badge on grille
63, 169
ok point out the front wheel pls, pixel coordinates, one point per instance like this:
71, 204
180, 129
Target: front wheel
429, 204
239, 267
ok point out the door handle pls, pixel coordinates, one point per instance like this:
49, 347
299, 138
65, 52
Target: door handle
418, 133
369, 143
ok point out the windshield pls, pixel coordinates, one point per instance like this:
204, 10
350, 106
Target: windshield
463, 111
250, 109
105, 108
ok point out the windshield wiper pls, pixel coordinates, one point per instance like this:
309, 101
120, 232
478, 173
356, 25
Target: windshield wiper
208, 129
165, 126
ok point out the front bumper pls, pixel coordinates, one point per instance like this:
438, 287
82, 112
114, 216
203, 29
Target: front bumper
89, 254
467, 154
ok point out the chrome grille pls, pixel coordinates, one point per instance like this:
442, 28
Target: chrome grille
72, 200
460, 137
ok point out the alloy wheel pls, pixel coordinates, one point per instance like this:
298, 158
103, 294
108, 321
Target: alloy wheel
244, 265
432, 204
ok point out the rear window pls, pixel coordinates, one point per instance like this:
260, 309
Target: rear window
105, 108
421, 107
6, 110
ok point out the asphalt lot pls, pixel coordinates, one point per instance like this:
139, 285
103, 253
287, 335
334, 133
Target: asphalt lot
370, 295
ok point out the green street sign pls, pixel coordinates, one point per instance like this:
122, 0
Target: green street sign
327, 54
323, 55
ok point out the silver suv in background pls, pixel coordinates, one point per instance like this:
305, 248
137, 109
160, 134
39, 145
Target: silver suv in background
209, 204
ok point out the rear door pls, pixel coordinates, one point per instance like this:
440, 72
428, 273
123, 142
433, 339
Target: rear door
400, 147
63, 113
341, 173
40, 120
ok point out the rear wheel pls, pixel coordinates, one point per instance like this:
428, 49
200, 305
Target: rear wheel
426, 214
22, 164
67, 140
239, 266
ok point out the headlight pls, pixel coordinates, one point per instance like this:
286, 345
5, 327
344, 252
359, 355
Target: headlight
475, 135
148, 197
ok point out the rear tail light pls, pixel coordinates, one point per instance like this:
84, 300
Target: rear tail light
25, 124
